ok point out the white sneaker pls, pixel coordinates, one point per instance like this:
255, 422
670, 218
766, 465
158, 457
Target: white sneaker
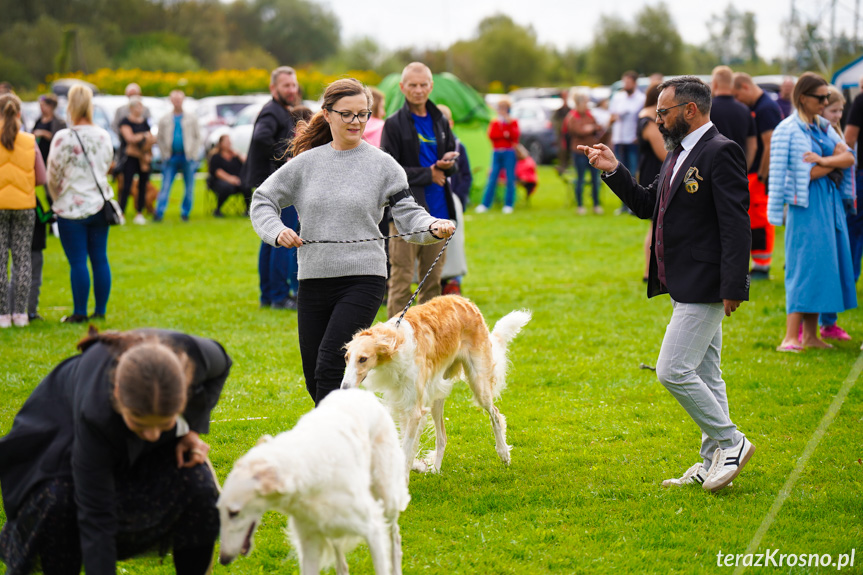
481, 209
727, 463
695, 474
5, 320
140, 220
20, 319
507, 209
581, 210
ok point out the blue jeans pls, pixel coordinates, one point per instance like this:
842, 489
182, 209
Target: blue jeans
501, 160
277, 267
174, 165
82, 239
628, 154
582, 163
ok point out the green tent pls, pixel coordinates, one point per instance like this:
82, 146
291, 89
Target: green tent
466, 103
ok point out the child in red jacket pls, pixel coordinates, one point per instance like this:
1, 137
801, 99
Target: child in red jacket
503, 133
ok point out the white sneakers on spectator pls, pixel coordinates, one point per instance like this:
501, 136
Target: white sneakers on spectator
727, 463
140, 220
507, 210
695, 474
481, 209
19, 319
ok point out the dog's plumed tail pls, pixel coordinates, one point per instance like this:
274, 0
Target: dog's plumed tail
504, 332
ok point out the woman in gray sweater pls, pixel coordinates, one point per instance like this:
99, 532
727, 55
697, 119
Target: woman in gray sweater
339, 185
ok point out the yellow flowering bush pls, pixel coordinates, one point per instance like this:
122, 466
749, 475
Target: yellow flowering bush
202, 83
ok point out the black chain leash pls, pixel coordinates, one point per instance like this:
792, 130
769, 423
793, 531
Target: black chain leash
419, 287
361, 241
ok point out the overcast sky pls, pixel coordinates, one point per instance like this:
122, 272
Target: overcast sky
397, 23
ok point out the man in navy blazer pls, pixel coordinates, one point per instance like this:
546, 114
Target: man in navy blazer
700, 256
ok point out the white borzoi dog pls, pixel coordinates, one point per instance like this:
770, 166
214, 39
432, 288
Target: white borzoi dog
415, 365
338, 475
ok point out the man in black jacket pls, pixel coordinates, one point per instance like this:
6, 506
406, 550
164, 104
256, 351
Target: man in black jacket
419, 137
700, 256
273, 132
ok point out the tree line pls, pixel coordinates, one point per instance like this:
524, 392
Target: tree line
43, 37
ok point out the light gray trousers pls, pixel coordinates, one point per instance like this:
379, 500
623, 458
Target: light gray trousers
688, 367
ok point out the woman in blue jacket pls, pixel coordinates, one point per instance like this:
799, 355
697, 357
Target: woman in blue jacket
810, 172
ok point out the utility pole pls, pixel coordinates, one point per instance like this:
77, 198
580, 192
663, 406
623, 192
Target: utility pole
832, 49
856, 23
789, 40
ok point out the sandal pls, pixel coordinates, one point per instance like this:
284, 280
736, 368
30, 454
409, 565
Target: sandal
790, 348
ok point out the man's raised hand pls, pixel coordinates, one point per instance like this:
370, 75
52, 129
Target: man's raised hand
600, 157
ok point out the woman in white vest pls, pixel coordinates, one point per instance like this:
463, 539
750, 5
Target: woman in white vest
21, 170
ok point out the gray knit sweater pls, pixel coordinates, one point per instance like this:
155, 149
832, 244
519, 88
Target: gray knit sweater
339, 195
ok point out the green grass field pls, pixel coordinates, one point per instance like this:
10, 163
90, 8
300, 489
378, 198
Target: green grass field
593, 434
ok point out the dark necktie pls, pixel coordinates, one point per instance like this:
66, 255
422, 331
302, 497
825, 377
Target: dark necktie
666, 183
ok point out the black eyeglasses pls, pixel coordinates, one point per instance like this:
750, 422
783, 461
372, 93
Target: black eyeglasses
823, 98
661, 112
348, 117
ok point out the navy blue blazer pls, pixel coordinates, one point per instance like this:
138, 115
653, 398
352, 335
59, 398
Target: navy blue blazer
706, 226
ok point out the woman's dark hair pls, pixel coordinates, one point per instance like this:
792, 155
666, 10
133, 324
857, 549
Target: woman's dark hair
10, 108
302, 113
150, 378
316, 132
807, 83
651, 97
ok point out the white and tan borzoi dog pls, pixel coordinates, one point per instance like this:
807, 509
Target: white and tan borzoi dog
416, 364
338, 475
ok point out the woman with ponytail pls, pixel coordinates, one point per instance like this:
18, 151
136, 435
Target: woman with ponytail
340, 186
21, 170
104, 460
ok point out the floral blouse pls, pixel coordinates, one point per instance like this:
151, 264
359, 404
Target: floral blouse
70, 180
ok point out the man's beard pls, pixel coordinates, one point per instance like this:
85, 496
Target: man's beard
673, 136
284, 101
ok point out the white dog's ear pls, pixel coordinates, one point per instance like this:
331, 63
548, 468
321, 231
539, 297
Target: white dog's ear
267, 478
264, 439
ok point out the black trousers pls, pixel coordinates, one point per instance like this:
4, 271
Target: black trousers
131, 167
329, 312
224, 190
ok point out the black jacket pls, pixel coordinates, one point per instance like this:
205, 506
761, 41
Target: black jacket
706, 231
400, 140
273, 132
68, 428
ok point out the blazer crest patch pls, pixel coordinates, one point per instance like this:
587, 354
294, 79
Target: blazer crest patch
690, 180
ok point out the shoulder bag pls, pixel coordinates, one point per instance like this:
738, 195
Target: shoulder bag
110, 208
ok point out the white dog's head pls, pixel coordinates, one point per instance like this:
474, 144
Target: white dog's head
251, 489
368, 349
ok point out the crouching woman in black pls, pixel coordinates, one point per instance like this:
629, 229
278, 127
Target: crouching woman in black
104, 460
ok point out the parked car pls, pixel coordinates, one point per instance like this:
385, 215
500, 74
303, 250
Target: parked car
30, 114
534, 122
218, 111
534, 93
243, 126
